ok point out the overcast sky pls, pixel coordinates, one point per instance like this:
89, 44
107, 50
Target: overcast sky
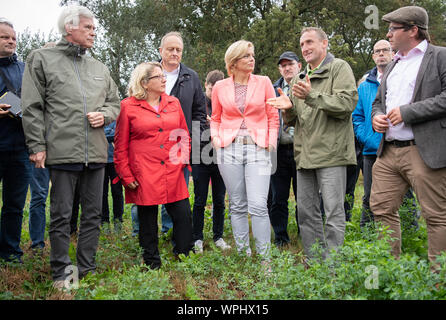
37, 15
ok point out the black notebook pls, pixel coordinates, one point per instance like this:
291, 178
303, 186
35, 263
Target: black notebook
14, 101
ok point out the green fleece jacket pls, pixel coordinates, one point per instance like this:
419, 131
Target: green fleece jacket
60, 86
323, 123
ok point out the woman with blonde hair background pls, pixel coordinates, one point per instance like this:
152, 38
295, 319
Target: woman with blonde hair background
152, 147
244, 131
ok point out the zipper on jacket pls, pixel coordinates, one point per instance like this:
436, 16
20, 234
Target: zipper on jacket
85, 109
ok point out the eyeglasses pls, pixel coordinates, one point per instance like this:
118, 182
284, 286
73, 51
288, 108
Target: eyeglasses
159, 77
393, 29
384, 50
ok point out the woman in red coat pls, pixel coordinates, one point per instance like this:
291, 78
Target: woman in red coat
152, 147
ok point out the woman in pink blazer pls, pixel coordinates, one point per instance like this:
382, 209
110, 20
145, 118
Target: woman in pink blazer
244, 131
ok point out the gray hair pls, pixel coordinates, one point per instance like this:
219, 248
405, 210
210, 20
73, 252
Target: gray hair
70, 15
6, 22
171, 34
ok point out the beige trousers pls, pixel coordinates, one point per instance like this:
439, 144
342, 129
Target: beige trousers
393, 173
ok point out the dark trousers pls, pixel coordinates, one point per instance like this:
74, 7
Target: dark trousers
281, 181
15, 174
202, 174
75, 211
63, 184
116, 191
366, 213
180, 213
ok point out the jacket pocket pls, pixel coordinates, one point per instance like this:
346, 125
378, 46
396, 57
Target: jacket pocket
443, 123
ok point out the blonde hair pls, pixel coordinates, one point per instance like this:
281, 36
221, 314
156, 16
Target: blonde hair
235, 52
139, 76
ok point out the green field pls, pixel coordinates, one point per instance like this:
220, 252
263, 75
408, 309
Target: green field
362, 269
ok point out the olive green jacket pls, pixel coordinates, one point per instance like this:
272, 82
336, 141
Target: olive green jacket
323, 123
60, 86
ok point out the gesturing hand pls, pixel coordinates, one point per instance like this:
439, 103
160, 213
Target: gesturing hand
302, 88
280, 102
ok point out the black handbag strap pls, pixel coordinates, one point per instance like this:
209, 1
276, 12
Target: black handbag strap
8, 83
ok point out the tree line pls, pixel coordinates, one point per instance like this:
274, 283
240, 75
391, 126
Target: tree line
129, 31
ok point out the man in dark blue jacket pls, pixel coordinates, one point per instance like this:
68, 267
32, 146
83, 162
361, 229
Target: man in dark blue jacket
285, 175
15, 168
184, 84
362, 123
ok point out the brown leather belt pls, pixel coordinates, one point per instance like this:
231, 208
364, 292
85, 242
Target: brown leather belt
401, 144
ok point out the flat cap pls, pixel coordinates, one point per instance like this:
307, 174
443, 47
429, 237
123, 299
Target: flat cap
410, 15
288, 55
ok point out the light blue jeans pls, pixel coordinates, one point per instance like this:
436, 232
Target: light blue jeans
246, 171
39, 186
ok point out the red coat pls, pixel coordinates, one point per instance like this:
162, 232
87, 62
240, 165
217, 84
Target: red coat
145, 152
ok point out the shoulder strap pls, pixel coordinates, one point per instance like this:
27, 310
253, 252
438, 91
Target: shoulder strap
8, 83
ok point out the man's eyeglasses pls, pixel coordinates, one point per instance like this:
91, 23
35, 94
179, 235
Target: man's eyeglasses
393, 29
384, 50
159, 77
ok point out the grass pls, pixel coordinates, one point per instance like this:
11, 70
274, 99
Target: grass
219, 275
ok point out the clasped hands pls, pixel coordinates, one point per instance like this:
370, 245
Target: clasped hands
380, 122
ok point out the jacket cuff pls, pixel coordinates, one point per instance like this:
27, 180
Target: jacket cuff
37, 148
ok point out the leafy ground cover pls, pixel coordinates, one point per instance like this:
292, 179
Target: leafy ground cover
362, 269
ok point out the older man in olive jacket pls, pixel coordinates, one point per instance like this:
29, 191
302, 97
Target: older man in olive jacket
321, 108
67, 99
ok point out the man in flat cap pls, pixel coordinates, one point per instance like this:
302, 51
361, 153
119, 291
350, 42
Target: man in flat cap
410, 111
285, 174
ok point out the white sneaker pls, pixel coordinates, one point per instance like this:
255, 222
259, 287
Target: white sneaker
222, 244
199, 246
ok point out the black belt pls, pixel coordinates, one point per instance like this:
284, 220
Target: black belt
401, 144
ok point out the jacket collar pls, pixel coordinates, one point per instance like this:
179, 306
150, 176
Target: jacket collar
278, 83
6, 61
373, 74
165, 101
70, 49
323, 67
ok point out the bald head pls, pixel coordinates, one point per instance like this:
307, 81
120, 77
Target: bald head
382, 54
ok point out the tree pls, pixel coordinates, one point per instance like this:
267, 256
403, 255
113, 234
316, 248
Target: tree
26, 42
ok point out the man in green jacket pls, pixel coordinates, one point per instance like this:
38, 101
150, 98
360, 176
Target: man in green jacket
67, 98
323, 98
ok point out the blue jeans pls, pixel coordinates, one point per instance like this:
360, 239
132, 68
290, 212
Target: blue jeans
167, 223
39, 186
15, 173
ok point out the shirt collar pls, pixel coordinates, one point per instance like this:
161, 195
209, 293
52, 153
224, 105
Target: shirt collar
420, 49
174, 72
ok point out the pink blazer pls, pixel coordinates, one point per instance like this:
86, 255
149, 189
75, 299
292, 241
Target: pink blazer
261, 119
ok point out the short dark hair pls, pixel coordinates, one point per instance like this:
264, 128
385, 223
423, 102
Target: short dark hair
422, 34
214, 76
